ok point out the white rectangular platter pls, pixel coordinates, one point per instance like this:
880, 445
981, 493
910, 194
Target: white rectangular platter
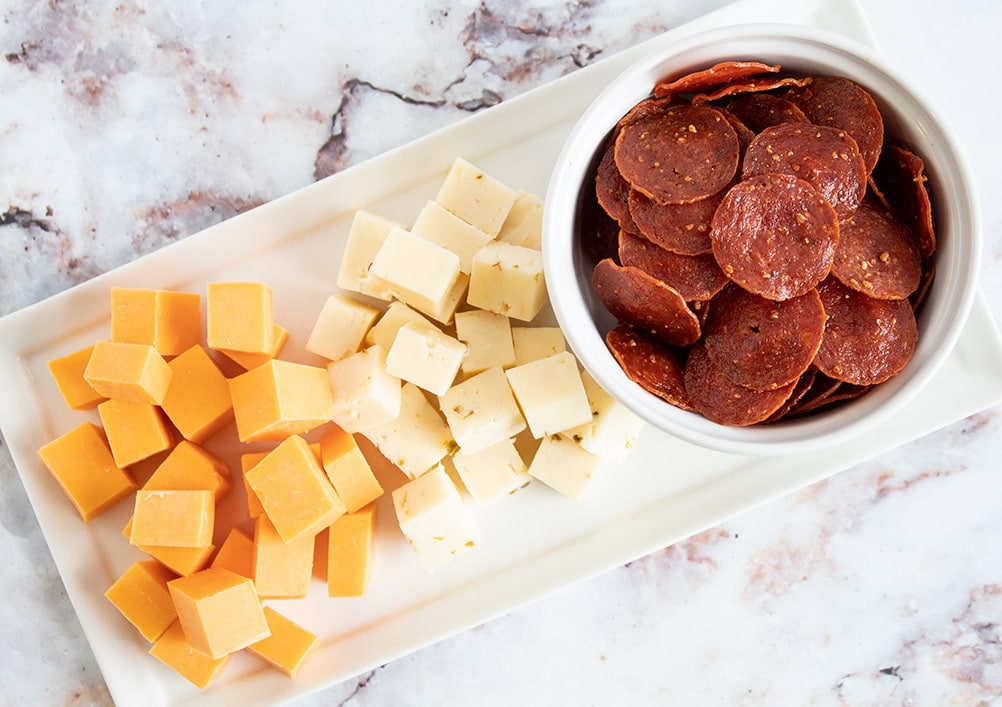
534, 542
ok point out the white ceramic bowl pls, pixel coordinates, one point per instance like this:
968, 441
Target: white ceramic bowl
585, 321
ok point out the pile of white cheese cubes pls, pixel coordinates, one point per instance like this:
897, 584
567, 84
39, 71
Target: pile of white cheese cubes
453, 370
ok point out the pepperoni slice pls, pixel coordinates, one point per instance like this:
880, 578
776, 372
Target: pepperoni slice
826, 157
716, 75
744, 133
678, 155
900, 174
840, 103
680, 228
750, 85
652, 365
723, 401
803, 385
634, 297
759, 111
866, 340
763, 344
877, 254
696, 277
612, 191
775, 235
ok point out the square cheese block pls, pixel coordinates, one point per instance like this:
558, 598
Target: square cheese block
189, 466
169, 321
493, 472
481, 411
434, 518
534, 343
81, 463
564, 466
68, 372
340, 328
252, 360
135, 431
198, 399
364, 393
415, 270
508, 279
294, 490
131, 372
141, 596
384, 331
240, 317
349, 552
289, 645
365, 238
278, 399
439, 225
444, 310
183, 561
551, 394
417, 439
488, 339
247, 462
475, 196
175, 651
614, 429
236, 553
348, 469
219, 611
173, 518
524, 225
424, 355
281, 570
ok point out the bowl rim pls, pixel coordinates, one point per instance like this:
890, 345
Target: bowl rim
955, 206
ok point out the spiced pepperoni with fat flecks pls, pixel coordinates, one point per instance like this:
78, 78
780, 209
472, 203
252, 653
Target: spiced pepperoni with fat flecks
900, 176
655, 367
801, 389
680, 228
716, 75
866, 340
827, 158
696, 277
774, 235
612, 191
763, 344
634, 297
877, 254
749, 85
678, 155
759, 111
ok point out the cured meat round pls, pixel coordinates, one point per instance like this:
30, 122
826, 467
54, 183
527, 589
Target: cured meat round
900, 174
749, 85
634, 297
825, 157
681, 154
866, 340
877, 254
696, 277
716, 75
759, 111
803, 385
774, 235
680, 228
612, 191
763, 344
652, 365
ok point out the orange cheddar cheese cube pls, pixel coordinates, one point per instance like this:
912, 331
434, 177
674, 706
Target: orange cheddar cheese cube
294, 490
68, 372
236, 553
82, 464
253, 360
281, 570
173, 518
279, 399
240, 317
174, 650
132, 372
170, 322
320, 555
180, 560
141, 595
190, 467
219, 611
288, 646
198, 398
135, 431
247, 462
348, 469
349, 553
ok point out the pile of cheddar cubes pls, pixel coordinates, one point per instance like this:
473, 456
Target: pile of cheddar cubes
435, 357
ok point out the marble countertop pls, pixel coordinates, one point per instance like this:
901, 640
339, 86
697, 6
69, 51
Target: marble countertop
125, 126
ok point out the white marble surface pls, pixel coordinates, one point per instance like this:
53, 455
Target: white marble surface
125, 126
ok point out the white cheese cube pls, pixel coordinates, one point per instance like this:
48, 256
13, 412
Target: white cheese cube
534, 343
508, 279
492, 473
415, 270
524, 225
365, 238
481, 411
476, 197
364, 394
427, 357
551, 394
488, 337
417, 439
340, 328
564, 466
444, 310
384, 331
614, 429
434, 518
446, 229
